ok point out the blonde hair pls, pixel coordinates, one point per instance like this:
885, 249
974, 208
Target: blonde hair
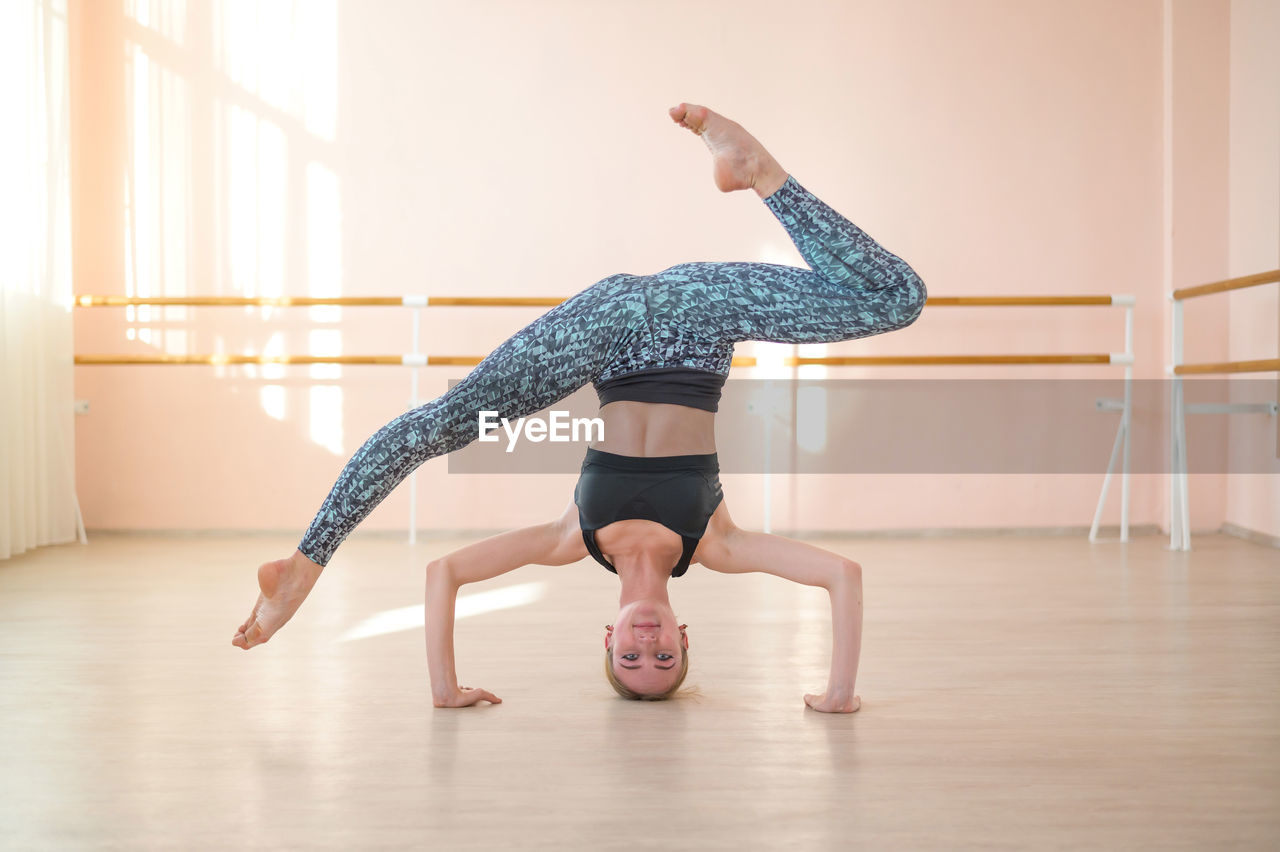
628, 693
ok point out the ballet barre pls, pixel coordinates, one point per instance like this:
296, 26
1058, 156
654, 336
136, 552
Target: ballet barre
416, 358
1179, 498
410, 301
425, 301
406, 360
410, 360
957, 360
1123, 406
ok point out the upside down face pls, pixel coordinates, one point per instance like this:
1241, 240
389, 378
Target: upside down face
647, 648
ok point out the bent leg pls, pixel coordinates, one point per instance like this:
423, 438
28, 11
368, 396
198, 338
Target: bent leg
834, 247
854, 287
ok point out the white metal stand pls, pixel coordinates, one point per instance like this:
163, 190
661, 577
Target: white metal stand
413, 361
1121, 445
1179, 510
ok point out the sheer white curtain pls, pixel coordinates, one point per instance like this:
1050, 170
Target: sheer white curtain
37, 470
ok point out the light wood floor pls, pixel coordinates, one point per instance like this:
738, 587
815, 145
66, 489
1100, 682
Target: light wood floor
1017, 693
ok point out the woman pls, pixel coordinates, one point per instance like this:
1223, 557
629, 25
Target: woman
658, 349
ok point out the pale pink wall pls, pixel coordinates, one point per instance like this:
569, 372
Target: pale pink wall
1198, 164
515, 148
1253, 501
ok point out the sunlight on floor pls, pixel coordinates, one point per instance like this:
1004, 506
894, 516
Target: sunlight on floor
411, 617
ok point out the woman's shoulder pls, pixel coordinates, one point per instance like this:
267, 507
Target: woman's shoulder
715, 539
568, 530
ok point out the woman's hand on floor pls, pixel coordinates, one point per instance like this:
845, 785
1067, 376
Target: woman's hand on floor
827, 703
465, 696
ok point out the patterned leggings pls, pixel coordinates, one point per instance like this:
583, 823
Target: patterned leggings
688, 315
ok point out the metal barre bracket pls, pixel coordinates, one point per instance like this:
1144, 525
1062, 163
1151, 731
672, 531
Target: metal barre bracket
1268, 408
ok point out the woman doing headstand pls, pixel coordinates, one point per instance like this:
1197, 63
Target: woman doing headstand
658, 349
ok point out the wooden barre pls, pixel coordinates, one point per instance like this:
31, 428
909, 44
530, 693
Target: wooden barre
313, 301
506, 301
1229, 284
222, 360
492, 302
1265, 365
1014, 301
472, 360
921, 360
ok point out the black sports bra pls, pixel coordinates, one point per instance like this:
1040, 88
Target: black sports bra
672, 385
679, 492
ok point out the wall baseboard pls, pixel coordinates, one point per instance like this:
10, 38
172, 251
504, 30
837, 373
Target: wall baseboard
1251, 535
1107, 534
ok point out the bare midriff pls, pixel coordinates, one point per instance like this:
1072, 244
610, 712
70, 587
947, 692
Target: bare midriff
656, 429
650, 429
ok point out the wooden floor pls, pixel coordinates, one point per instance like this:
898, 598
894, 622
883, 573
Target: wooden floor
1017, 693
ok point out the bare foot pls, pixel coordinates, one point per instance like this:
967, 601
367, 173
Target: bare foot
285, 584
738, 160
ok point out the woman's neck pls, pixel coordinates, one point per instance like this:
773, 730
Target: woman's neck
643, 578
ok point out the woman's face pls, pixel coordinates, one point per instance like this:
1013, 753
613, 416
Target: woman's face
647, 643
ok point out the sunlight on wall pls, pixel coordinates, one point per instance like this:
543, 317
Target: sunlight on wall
34, 218
275, 347
771, 360
157, 176
783, 253
284, 55
812, 350
256, 185
324, 273
272, 397
324, 240
316, 33
232, 109
167, 17
326, 400
412, 617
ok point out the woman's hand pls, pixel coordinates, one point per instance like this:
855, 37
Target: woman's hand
465, 696
828, 703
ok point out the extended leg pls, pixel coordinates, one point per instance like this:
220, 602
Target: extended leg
542, 363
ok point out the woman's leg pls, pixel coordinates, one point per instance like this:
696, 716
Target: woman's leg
538, 366
853, 288
541, 364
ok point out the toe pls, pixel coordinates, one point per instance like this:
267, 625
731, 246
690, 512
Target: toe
255, 635
253, 616
690, 116
695, 117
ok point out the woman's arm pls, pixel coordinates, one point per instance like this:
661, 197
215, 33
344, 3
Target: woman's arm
556, 543
731, 550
